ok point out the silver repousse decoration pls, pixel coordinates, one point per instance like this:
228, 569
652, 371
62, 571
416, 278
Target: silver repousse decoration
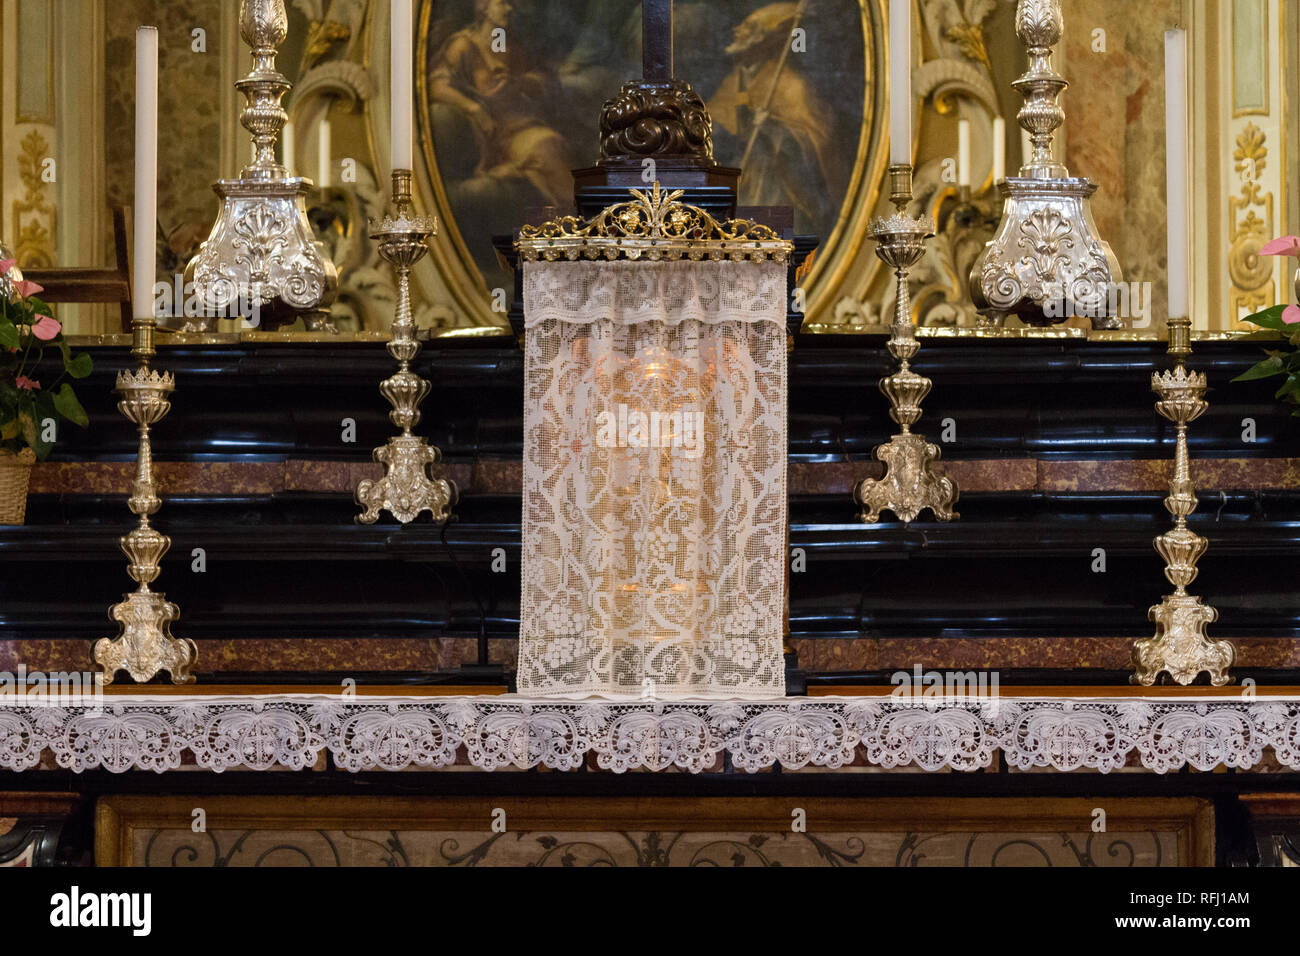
1046, 262
261, 254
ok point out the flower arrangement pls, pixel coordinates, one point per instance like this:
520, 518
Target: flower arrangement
1284, 319
27, 329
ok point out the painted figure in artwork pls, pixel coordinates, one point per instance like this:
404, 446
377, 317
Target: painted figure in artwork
484, 72
782, 126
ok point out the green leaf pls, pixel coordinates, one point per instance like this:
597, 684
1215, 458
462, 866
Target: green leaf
1290, 390
1273, 365
8, 334
65, 400
79, 366
1270, 318
42, 410
38, 307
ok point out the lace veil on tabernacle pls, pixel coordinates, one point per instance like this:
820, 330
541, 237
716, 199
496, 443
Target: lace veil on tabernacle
654, 491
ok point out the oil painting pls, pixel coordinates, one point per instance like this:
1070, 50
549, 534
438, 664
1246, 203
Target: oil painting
512, 93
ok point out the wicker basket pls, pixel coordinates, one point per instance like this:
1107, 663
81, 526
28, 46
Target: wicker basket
15, 473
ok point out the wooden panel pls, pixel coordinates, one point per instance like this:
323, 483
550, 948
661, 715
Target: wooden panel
137, 831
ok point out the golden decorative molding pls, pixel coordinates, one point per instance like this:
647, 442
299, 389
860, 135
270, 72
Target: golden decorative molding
652, 225
33, 229
1251, 275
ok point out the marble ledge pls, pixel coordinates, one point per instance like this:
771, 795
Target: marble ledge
820, 656
506, 476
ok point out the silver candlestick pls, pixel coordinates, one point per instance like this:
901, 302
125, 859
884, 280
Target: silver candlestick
1046, 262
407, 487
261, 256
910, 483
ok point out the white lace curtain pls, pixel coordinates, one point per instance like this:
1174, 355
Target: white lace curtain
654, 485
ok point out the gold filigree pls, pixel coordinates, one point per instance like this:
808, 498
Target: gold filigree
33, 214
322, 35
969, 38
1251, 274
145, 647
651, 225
911, 482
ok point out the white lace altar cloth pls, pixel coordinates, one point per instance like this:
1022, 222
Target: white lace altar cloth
489, 733
654, 491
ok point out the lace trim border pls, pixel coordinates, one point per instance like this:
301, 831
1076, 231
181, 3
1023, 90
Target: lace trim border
489, 733
635, 293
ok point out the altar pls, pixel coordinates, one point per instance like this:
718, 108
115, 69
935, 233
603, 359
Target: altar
727, 501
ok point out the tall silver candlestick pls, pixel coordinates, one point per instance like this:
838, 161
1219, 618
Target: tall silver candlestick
407, 488
261, 256
1046, 262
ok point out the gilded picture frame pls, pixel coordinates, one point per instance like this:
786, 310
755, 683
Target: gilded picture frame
844, 261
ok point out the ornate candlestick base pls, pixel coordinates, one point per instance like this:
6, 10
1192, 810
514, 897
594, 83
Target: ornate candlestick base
1180, 647
910, 483
261, 257
407, 488
145, 647
1046, 262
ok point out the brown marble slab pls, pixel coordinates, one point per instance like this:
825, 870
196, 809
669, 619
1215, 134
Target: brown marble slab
289, 655
506, 476
1228, 474
1105, 653
815, 656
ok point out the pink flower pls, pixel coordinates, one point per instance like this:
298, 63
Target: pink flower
46, 328
31, 385
6, 265
1291, 314
1282, 246
26, 288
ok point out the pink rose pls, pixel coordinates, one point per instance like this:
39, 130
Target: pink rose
26, 288
46, 328
1291, 314
6, 265
31, 385
1282, 246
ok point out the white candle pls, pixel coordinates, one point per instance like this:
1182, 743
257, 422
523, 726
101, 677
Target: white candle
146, 170
999, 148
323, 151
403, 96
900, 82
1176, 168
286, 147
963, 152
